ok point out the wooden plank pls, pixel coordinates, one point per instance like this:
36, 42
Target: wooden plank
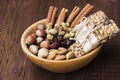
17, 15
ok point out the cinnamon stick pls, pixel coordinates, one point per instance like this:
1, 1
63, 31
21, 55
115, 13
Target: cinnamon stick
61, 16
73, 14
54, 15
82, 13
49, 15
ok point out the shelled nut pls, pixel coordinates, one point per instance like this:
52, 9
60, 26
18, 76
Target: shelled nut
68, 35
33, 49
70, 55
30, 40
45, 44
52, 54
62, 50
49, 36
39, 40
41, 26
43, 52
53, 31
60, 57
49, 26
40, 32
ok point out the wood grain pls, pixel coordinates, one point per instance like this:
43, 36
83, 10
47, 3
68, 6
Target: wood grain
17, 15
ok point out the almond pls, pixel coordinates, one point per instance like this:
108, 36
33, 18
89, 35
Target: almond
60, 57
52, 54
62, 50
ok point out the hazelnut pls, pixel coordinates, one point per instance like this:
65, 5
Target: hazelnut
39, 40
41, 26
30, 40
33, 49
33, 34
43, 52
45, 44
40, 32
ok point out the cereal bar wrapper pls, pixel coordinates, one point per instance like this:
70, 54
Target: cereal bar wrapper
92, 31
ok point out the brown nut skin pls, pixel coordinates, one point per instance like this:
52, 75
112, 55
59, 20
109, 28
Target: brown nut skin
52, 54
45, 44
62, 50
40, 26
60, 57
40, 33
30, 40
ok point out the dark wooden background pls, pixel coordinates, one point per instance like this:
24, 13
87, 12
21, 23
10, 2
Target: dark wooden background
17, 15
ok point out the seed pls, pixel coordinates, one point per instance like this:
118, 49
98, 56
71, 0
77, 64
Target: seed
30, 40
40, 32
70, 55
60, 57
62, 50
33, 49
43, 52
39, 39
45, 44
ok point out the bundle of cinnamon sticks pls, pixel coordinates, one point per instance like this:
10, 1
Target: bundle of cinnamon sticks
74, 18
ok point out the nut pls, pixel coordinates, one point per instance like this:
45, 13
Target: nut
39, 40
70, 55
53, 31
41, 26
33, 49
33, 34
45, 44
43, 52
40, 32
60, 57
30, 40
52, 54
62, 50
49, 26
61, 33
65, 28
68, 35
49, 36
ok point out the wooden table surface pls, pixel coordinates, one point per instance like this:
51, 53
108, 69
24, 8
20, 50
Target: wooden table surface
17, 15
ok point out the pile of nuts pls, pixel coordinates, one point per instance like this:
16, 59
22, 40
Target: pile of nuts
50, 44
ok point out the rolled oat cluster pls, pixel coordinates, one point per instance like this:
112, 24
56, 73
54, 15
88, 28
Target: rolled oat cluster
92, 31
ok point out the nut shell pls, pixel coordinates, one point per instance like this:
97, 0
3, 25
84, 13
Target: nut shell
30, 40
43, 52
33, 49
45, 44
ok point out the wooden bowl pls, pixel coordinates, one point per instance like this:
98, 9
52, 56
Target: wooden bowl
63, 66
